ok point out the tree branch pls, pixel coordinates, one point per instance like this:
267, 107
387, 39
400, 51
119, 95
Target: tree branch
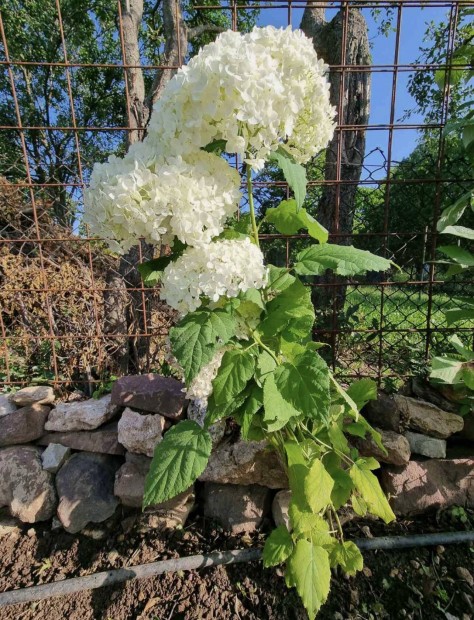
197, 31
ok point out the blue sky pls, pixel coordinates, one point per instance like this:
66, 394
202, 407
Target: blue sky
383, 48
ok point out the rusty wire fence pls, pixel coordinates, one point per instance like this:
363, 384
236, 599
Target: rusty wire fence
74, 314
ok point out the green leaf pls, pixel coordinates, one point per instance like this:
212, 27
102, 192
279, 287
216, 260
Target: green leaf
297, 472
179, 459
318, 486
291, 311
337, 438
343, 260
359, 505
457, 343
236, 369
362, 392
197, 337
445, 369
265, 365
459, 231
251, 304
343, 487
152, 270
309, 570
288, 219
458, 314
458, 254
453, 213
294, 173
279, 278
348, 556
216, 146
219, 411
278, 547
277, 411
245, 415
369, 488
305, 385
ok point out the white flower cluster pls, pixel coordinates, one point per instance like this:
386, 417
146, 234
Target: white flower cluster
160, 200
201, 386
254, 91
224, 267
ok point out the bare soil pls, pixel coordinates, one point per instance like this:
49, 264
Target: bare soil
428, 582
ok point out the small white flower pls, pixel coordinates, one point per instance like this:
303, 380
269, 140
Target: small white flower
222, 268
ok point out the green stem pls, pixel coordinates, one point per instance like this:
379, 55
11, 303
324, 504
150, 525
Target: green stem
339, 526
264, 347
251, 205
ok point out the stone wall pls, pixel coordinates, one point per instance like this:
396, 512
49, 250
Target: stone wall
75, 462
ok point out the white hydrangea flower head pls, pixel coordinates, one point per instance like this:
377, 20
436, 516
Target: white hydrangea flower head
156, 198
221, 268
201, 386
254, 91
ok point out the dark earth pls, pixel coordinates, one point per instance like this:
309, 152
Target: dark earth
428, 582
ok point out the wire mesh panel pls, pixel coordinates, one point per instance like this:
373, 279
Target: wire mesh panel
78, 84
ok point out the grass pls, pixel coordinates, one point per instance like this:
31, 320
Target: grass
393, 340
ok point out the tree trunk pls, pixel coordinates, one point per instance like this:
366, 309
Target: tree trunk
352, 101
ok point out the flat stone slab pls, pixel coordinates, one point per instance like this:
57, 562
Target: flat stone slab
245, 463
431, 484
85, 487
103, 440
426, 446
25, 487
130, 480
429, 419
237, 508
81, 415
140, 433
6, 405
427, 392
397, 446
23, 425
280, 508
151, 393
41, 394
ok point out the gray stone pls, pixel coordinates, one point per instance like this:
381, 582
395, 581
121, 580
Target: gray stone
197, 412
151, 393
104, 440
54, 457
23, 425
280, 507
425, 391
468, 430
396, 445
237, 508
82, 415
426, 446
385, 413
85, 487
130, 480
6, 406
431, 484
429, 419
25, 487
41, 394
140, 433
245, 463
171, 514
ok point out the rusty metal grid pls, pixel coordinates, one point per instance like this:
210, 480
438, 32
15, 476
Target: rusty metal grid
78, 351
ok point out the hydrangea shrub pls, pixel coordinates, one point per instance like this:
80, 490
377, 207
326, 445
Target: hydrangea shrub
244, 340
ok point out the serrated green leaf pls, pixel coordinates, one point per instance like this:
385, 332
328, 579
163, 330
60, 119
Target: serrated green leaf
357, 429
362, 392
216, 412
368, 462
246, 412
288, 219
304, 384
445, 369
458, 314
369, 488
359, 505
291, 312
458, 254
279, 278
277, 411
236, 369
297, 471
265, 365
318, 487
294, 173
465, 352
454, 212
197, 337
278, 547
459, 231
309, 568
307, 524
338, 439
343, 260
348, 556
179, 459
342, 489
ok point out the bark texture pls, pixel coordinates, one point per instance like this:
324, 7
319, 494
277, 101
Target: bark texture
350, 94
